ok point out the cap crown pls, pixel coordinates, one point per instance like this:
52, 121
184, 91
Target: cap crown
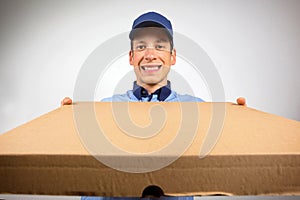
153, 19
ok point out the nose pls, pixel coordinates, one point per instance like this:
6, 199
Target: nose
150, 54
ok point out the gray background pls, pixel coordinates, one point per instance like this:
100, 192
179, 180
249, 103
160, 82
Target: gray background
255, 46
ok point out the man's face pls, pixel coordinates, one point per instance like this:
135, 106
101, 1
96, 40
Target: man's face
151, 56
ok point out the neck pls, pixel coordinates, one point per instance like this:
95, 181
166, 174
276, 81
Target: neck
152, 87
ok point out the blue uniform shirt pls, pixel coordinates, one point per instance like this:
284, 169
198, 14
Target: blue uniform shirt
140, 94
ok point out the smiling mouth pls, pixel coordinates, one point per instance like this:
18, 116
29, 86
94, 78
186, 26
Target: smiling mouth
151, 68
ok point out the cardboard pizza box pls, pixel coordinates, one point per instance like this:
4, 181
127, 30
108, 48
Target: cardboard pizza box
127, 149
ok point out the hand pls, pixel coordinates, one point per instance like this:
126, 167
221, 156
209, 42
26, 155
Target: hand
241, 101
66, 101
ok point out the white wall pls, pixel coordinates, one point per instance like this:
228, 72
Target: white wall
255, 46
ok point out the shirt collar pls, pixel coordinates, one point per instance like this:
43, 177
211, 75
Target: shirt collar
162, 93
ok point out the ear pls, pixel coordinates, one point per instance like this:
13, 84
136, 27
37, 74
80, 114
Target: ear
173, 57
131, 57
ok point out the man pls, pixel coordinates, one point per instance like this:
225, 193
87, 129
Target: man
152, 54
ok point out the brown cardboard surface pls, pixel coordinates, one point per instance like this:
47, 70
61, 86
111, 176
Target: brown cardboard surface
256, 153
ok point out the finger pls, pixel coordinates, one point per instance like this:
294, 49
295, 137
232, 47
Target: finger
66, 101
241, 101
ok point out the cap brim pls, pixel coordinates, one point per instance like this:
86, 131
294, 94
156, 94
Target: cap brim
146, 24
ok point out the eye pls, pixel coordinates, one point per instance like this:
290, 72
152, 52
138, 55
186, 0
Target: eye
140, 47
160, 47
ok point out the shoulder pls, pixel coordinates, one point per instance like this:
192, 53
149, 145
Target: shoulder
189, 98
183, 98
128, 96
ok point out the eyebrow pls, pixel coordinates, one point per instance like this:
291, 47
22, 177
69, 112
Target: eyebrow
140, 41
158, 41
161, 40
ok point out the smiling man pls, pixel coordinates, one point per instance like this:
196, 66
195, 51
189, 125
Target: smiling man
152, 54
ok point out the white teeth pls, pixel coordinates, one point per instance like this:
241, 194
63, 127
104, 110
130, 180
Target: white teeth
151, 68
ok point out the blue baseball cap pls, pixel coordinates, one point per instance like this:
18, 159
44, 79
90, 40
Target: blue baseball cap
152, 19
